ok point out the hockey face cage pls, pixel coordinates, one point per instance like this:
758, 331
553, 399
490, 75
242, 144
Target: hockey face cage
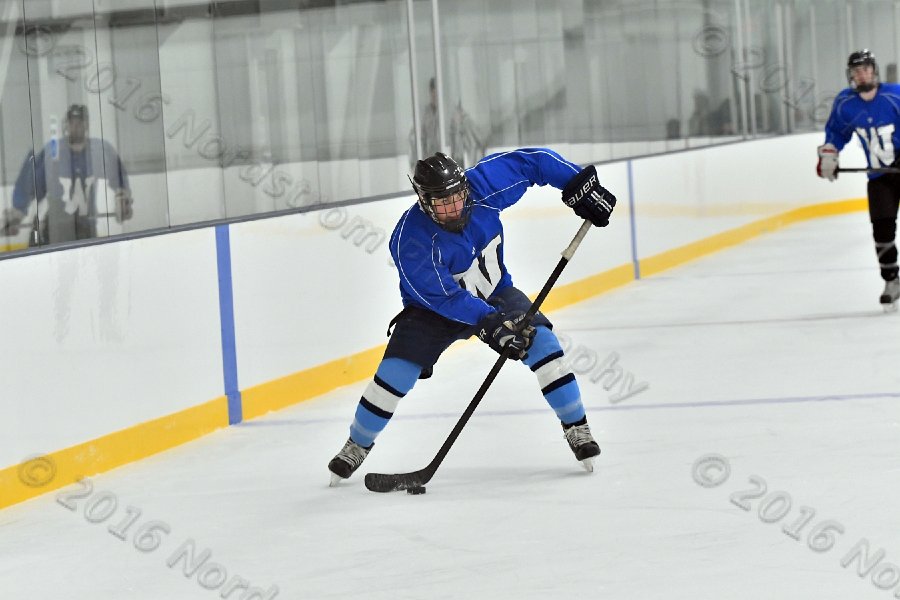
860, 59
439, 184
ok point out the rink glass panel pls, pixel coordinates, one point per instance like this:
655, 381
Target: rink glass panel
225, 109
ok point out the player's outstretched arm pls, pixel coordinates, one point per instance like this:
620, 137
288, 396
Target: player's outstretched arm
838, 131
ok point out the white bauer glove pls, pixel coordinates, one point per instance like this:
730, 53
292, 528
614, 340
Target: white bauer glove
12, 221
124, 205
828, 162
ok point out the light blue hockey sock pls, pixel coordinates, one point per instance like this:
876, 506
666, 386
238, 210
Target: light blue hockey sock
393, 380
545, 358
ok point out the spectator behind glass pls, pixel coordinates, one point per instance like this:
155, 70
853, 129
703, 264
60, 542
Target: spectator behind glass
430, 131
467, 143
67, 175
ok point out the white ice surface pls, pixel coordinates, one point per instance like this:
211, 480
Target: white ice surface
774, 354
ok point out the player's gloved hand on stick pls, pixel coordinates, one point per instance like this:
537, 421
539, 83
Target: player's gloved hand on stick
588, 198
828, 162
12, 221
499, 329
124, 204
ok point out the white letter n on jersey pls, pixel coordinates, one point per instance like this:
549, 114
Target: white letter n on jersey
881, 144
484, 273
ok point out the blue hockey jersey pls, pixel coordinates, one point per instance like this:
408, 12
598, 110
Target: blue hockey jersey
61, 174
453, 274
876, 122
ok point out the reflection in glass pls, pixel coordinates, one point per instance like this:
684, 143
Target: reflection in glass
68, 175
197, 111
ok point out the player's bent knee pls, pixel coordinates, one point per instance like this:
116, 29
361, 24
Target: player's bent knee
399, 373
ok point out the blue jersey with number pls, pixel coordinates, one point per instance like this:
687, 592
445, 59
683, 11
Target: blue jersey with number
453, 273
876, 122
61, 173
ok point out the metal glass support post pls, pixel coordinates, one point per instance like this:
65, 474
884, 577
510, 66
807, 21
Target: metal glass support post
413, 79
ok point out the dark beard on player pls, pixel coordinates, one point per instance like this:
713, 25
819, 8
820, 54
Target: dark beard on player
865, 87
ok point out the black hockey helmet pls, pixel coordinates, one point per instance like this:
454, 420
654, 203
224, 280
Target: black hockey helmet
76, 124
437, 177
858, 59
77, 111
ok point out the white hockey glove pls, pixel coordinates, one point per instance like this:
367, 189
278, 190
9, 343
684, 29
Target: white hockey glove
124, 203
12, 221
828, 162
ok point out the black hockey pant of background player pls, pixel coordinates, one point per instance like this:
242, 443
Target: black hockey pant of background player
884, 197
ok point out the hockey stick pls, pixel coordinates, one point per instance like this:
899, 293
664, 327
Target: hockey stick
382, 482
869, 170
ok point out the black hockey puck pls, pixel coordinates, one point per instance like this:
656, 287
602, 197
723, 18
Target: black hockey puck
415, 491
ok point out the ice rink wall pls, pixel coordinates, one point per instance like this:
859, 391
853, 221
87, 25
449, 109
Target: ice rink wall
117, 351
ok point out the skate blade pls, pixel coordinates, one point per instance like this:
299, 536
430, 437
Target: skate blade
889, 308
335, 480
588, 464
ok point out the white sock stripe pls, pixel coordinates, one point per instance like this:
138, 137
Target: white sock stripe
883, 244
381, 398
568, 407
552, 371
887, 265
366, 432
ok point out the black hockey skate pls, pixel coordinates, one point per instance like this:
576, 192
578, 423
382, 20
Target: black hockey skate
890, 295
347, 461
582, 443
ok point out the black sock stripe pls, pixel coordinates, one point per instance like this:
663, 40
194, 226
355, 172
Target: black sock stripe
558, 383
550, 357
581, 421
378, 412
383, 385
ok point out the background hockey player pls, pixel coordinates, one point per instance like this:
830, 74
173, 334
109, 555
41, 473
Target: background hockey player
67, 175
872, 110
448, 249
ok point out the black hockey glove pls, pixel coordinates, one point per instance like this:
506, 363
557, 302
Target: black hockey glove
499, 329
588, 198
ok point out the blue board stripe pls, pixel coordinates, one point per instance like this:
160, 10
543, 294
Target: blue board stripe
226, 317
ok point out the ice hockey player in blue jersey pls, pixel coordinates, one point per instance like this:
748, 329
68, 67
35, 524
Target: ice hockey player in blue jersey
448, 249
66, 172
871, 109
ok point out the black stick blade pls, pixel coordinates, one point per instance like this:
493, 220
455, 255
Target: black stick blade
382, 482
